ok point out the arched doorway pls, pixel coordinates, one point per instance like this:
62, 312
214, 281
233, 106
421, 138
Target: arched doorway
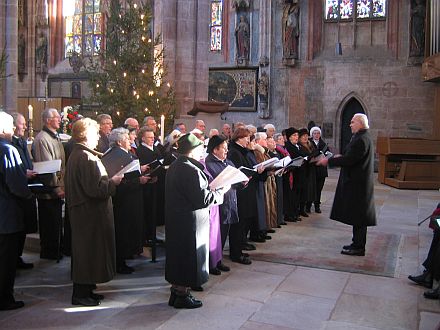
351, 107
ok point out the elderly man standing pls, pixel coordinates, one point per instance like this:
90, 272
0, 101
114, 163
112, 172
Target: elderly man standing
105, 127
47, 146
354, 197
29, 205
13, 187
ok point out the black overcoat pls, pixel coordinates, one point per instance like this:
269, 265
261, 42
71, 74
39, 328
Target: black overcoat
187, 201
354, 197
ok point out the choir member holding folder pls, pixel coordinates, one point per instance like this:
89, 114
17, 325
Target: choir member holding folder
127, 202
88, 193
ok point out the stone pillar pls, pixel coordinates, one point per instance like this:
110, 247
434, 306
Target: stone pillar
264, 52
11, 35
184, 28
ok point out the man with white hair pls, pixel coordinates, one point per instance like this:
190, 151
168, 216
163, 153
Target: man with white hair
132, 122
105, 127
13, 188
270, 130
354, 197
200, 124
47, 146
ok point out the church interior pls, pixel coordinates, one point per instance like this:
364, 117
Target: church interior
283, 62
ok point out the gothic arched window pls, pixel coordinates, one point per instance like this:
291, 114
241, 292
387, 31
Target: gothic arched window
83, 27
216, 25
364, 9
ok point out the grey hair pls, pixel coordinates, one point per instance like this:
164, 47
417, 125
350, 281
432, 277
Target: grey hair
269, 126
252, 129
117, 135
363, 119
260, 135
146, 119
47, 113
213, 131
103, 116
276, 136
143, 130
15, 116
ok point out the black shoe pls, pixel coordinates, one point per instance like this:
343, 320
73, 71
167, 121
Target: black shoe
291, 219
88, 301
223, 267
173, 297
349, 247
197, 288
278, 226
270, 231
186, 301
24, 265
257, 239
283, 224
96, 296
124, 269
267, 237
50, 256
303, 214
354, 252
242, 260
317, 209
245, 254
214, 271
432, 294
424, 279
248, 247
308, 210
11, 305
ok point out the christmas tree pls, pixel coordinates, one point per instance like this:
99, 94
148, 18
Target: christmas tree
127, 79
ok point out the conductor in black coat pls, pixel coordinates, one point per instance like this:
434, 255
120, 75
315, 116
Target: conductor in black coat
354, 197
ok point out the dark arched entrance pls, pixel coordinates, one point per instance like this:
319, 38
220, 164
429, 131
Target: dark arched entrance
351, 107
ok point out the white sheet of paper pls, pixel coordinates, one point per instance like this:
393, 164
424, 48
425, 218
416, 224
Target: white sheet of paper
133, 166
283, 162
229, 176
49, 166
267, 163
297, 162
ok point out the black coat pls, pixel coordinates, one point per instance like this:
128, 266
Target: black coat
321, 171
187, 202
354, 197
29, 206
127, 210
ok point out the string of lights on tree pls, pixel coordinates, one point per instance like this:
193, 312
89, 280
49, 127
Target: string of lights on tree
128, 77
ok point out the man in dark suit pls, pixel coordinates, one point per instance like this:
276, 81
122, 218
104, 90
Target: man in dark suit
354, 197
29, 205
13, 188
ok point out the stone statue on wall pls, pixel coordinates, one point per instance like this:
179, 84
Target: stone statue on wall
21, 54
263, 93
418, 13
41, 53
242, 38
290, 31
241, 4
21, 13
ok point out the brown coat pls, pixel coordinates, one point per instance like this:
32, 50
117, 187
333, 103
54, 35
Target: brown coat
88, 194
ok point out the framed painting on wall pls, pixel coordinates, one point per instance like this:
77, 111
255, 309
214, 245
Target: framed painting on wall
238, 87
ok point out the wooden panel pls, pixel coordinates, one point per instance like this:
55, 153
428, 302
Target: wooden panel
402, 146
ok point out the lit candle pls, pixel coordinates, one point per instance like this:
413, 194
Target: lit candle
65, 113
162, 128
30, 112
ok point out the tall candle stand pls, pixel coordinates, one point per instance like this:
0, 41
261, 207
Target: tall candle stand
30, 130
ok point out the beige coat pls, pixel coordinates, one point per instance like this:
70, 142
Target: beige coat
47, 146
88, 194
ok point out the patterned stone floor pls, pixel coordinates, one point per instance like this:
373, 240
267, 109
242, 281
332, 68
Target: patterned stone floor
264, 295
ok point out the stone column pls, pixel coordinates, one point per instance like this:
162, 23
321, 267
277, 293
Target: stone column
264, 53
11, 34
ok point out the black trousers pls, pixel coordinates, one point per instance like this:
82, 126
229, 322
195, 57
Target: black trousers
8, 262
50, 219
21, 241
430, 259
235, 238
359, 236
319, 185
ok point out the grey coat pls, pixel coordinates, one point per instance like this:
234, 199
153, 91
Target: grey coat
88, 194
187, 201
354, 197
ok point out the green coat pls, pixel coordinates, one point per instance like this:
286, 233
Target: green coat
88, 194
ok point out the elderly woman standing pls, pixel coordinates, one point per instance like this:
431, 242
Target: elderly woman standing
127, 202
88, 192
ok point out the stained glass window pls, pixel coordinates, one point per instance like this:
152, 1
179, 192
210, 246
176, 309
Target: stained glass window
83, 22
344, 9
216, 25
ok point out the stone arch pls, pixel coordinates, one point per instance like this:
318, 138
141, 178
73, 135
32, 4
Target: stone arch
352, 102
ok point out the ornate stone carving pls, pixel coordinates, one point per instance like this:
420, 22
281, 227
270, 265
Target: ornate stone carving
241, 4
264, 61
418, 13
263, 94
21, 56
41, 54
290, 24
76, 62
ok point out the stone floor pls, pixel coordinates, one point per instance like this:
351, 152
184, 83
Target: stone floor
264, 295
